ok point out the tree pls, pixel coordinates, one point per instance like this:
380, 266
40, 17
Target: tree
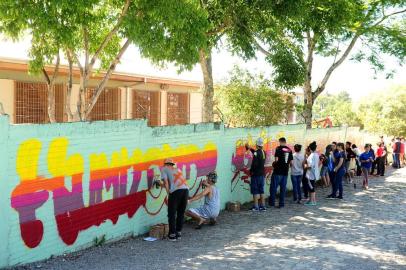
248, 100
93, 36
222, 17
327, 29
385, 113
338, 107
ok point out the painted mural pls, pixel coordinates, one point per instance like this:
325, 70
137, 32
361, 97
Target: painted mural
63, 185
74, 212
242, 158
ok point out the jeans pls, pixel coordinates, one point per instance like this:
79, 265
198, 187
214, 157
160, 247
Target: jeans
338, 183
396, 161
177, 203
278, 180
332, 175
296, 181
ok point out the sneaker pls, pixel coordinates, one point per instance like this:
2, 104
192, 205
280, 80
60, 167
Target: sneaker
262, 209
212, 222
340, 197
281, 206
254, 209
172, 237
298, 202
178, 235
310, 203
330, 197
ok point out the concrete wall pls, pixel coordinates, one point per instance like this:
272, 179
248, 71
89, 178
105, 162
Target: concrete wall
63, 185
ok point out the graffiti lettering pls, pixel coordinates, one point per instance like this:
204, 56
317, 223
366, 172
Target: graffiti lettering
72, 214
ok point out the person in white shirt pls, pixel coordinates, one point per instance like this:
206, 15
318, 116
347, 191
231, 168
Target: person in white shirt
296, 172
312, 173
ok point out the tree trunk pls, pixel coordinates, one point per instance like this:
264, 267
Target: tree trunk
51, 103
308, 104
208, 89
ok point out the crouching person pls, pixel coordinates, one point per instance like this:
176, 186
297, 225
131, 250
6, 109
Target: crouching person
208, 212
178, 194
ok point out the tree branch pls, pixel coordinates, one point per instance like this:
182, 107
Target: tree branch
76, 58
384, 17
110, 35
103, 83
323, 83
69, 88
260, 48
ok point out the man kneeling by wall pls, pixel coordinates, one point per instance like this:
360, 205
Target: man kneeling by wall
208, 212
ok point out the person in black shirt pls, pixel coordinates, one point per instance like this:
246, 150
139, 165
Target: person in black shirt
258, 176
283, 159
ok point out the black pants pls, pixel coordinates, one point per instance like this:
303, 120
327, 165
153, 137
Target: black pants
381, 165
177, 203
305, 186
374, 166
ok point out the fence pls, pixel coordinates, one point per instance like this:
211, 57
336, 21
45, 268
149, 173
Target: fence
64, 185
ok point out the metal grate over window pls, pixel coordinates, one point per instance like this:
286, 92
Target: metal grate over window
178, 109
147, 105
31, 102
108, 105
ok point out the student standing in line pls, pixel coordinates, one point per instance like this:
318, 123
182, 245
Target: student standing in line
330, 151
402, 152
380, 156
304, 179
283, 159
296, 173
349, 156
396, 153
324, 170
313, 173
258, 176
339, 170
366, 160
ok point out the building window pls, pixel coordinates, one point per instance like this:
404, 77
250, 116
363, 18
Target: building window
178, 109
147, 105
108, 105
31, 103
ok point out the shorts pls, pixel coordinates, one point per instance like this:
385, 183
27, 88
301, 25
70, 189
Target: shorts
311, 185
257, 185
347, 165
324, 171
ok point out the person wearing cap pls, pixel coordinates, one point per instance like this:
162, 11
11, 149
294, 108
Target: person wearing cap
257, 171
209, 211
178, 195
283, 159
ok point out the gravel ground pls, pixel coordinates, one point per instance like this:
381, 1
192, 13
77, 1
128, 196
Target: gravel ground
367, 230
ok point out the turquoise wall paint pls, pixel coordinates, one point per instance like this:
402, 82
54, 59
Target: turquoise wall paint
63, 185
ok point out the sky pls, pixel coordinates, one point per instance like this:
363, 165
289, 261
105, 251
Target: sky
355, 78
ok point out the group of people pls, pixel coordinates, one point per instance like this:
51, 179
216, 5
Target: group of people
338, 162
177, 189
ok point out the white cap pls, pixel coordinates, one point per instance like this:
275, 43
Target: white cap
260, 142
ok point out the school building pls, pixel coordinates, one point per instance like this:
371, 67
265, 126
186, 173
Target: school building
162, 101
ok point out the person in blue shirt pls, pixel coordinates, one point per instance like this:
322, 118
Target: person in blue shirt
366, 160
339, 171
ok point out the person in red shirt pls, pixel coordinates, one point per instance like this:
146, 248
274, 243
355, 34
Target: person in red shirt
380, 155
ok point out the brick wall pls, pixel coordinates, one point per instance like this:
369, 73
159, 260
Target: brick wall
63, 185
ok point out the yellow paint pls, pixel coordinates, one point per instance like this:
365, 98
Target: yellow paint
27, 159
58, 163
